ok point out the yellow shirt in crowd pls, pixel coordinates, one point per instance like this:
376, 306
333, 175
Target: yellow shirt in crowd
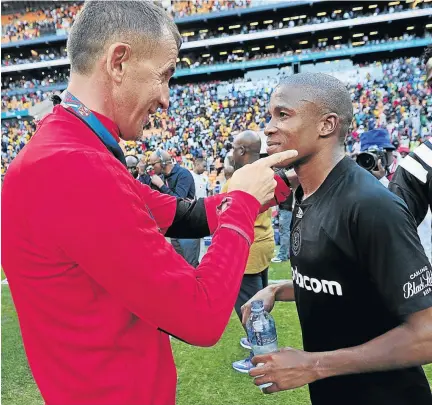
262, 249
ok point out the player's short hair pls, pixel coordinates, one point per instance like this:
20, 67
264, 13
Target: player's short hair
140, 23
327, 92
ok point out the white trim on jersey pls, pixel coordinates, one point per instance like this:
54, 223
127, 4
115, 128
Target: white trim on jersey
415, 168
425, 154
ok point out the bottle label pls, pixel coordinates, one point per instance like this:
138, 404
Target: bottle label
264, 339
263, 333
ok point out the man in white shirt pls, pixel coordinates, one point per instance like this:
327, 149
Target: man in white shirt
201, 180
201, 190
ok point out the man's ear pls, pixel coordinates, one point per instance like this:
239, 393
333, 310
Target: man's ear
328, 124
119, 54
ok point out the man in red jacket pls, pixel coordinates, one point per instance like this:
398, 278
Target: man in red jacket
95, 325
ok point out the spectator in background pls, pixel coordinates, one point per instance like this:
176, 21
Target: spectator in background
200, 179
247, 147
228, 172
132, 165
179, 183
285, 217
380, 139
217, 188
144, 177
201, 191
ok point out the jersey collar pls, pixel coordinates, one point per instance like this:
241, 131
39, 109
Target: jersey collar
333, 176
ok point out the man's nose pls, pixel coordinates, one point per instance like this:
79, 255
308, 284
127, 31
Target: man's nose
164, 98
269, 129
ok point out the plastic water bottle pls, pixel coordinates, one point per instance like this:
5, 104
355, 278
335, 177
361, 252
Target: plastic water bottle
261, 330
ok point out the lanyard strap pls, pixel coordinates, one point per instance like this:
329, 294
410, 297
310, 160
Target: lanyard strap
74, 106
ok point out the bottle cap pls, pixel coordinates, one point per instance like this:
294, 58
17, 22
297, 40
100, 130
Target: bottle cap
257, 306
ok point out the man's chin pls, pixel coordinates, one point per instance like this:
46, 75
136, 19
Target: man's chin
271, 150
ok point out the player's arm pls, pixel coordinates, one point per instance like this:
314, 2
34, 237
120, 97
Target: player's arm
402, 274
412, 181
407, 345
105, 225
283, 292
179, 218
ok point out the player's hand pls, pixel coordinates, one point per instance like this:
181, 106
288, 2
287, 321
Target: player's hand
381, 172
267, 295
157, 181
287, 369
257, 178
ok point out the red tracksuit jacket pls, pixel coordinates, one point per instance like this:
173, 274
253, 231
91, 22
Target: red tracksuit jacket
94, 281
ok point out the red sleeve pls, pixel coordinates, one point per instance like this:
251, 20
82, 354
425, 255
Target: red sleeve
282, 192
99, 220
163, 207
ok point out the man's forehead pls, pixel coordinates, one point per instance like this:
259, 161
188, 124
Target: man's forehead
288, 96
166, 52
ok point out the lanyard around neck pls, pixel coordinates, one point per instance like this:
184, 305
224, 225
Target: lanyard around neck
74, 106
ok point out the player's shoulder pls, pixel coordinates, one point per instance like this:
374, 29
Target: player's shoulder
365, 194
418, 163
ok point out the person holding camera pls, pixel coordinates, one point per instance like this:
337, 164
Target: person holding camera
179, 182
377, 151
376, 154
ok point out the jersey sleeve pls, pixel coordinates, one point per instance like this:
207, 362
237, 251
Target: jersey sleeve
412, 181
98, 220
390, 252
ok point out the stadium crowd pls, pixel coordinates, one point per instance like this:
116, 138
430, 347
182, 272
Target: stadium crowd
301, 20
42, 22
36, 22
34, 56
290, 49
202, 120
29, 81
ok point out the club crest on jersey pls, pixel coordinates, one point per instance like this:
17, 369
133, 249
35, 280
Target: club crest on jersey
299, 213
296, 241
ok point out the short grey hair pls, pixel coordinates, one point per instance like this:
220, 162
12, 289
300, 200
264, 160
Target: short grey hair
140, 23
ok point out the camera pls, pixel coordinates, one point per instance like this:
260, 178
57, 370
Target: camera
150, 170
369, 159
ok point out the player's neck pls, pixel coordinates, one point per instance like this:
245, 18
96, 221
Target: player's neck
92, 93
312, 173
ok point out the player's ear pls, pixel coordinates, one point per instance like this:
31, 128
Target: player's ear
328, 124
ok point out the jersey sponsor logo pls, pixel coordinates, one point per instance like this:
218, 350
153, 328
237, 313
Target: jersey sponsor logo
315, 285
421, 282
296, 241
299, 213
